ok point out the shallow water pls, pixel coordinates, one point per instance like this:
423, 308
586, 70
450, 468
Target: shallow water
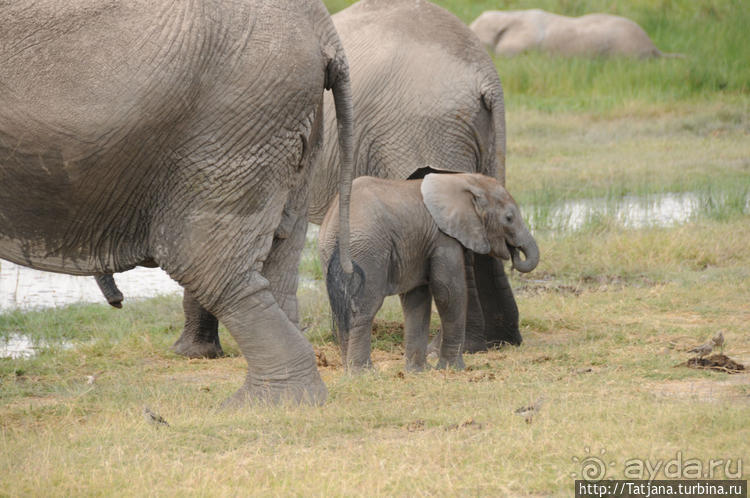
660, 210
24, 288
21, 346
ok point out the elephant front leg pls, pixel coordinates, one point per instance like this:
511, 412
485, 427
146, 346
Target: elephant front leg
447, 283
200, 336
417, 306
474, 339
497, 302
475, 321
281, 267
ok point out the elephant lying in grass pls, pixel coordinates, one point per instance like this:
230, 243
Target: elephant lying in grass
176, 134
410, 238
515, 31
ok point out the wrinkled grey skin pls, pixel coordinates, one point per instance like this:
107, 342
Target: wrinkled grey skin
426, 93
513, 32
107, 285
176, 134
409, 238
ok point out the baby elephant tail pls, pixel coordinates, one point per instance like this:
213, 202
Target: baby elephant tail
343, 289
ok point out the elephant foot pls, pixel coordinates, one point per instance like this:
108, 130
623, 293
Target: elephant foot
474, 346
188, 347
358, 368
417, 365
310, 392
417, 368
433, 348
200, 336
470, 345
457, 364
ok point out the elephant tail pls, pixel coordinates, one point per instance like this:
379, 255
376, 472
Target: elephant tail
340, 84
343, 290
107, 285
494, 101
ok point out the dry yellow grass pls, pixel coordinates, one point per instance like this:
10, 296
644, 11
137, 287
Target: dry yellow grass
607, 318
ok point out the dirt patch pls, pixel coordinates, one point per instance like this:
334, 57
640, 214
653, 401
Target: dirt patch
466, 424
541, 359
415, 425
597, 283
387, 329
537, 287
719, 362
328, 357
384, 357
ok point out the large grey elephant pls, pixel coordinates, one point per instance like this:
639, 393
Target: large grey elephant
180, 135
425, 93
512, 32
409, 238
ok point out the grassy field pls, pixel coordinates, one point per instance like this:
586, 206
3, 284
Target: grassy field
607, 319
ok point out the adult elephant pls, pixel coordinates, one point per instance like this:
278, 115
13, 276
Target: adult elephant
512, 32
179, 135
427, 97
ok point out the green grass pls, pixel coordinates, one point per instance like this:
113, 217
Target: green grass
607, 318
606, 322
711, 34
561, 156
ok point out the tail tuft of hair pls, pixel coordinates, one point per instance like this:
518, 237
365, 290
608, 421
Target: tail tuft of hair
343, 292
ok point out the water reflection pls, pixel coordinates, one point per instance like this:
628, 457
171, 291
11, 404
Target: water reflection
25, 288
629, 212
21, 346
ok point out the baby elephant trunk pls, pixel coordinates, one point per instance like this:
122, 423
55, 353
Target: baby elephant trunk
530, 252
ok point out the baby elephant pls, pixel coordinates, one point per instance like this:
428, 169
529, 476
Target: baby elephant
408, 238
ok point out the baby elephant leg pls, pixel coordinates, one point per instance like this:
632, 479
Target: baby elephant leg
359, 339
448, 286
358, 347
417, 305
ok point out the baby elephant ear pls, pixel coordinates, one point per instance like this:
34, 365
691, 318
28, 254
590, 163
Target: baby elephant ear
452, 200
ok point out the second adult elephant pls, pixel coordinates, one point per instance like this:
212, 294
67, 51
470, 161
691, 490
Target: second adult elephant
426, 93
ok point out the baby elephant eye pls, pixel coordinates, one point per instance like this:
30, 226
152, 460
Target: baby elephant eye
509, 217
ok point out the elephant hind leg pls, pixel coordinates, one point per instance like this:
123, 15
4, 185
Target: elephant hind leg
356, 341
281, 362
218, 260
200, 336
